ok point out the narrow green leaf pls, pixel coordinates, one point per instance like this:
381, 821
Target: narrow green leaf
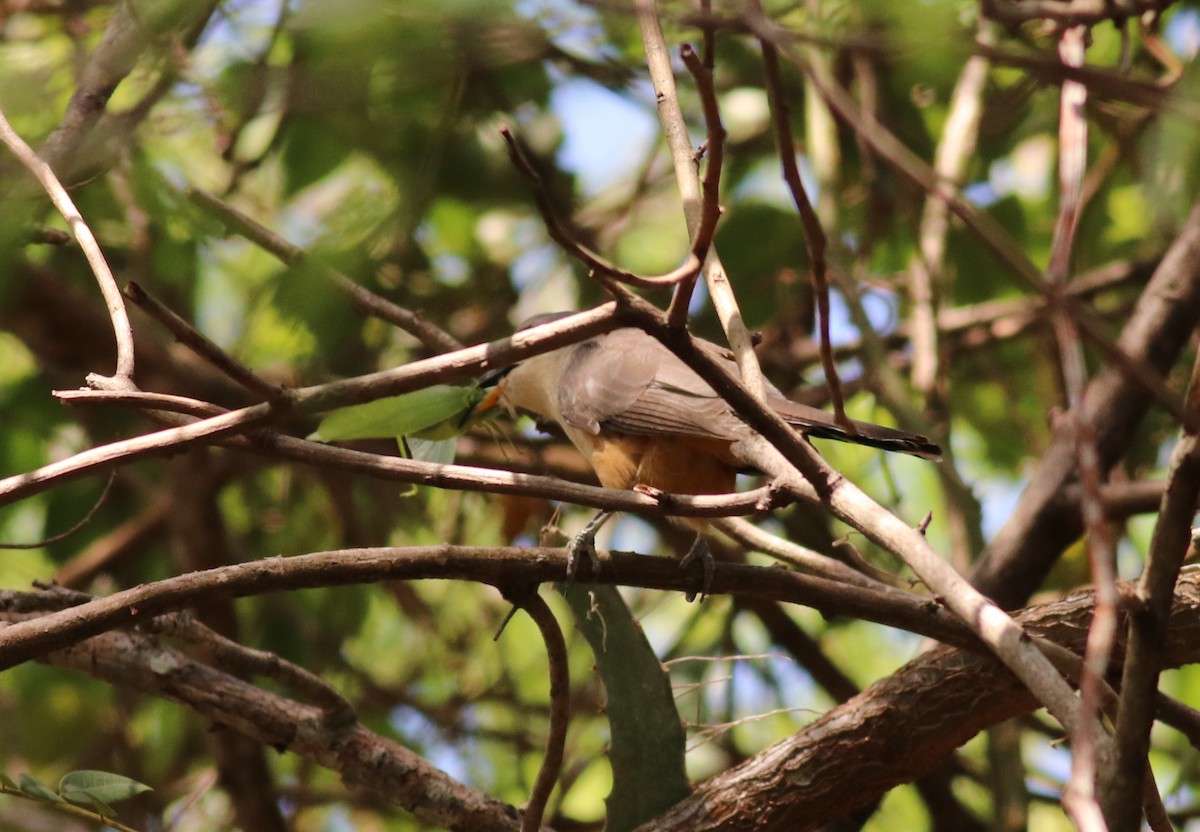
33, 787
438, 412
102, 786
648, 741
8, 782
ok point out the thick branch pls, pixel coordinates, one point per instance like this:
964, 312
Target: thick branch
361, 757
1044, 522
29, 639
900, 728
1148, 626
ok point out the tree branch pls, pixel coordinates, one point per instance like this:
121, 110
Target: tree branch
658, 62
895, 731
1148, 624
122, 330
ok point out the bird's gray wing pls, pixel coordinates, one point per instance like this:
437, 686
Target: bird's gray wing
627, 381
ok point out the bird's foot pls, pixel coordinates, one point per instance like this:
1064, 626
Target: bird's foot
584, 545
708, 565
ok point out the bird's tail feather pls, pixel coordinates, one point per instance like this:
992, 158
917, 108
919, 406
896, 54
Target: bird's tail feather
814, 422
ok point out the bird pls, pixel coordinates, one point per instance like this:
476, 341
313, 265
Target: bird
643, 419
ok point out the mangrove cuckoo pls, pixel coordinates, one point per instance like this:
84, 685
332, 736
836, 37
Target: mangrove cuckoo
642, 417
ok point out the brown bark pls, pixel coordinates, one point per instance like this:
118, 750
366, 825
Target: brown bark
895, 731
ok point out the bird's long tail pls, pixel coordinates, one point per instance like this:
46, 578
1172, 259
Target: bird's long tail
814, 422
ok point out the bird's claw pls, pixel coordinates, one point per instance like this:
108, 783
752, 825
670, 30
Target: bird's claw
708, 565
582, 545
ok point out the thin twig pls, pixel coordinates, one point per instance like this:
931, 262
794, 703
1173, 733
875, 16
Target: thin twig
91, 512
710, 206
989, 231
560, 706
122, 331
814, 235
363, 299
926, 275
1079, 795
104, 457
670, 115
401, 469
202, 345
561, 235
801, 557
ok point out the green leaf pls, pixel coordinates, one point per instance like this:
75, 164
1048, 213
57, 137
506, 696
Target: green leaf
85, 799
438, 412
33, 787
8, 782
100, 787
648, 741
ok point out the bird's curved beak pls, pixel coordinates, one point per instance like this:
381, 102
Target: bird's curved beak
493, 379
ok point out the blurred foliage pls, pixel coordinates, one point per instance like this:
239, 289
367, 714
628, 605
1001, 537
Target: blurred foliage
366, 131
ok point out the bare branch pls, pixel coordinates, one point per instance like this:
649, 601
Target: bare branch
125, 40
122, 330
559, 233
560, 706
1079, 796
363, 299
658, 61
710, 208
926, 277
508, 566
104, 457
360, 756
467, 478
1169, 546
814, 236
798, 784
413, 376
202, 345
